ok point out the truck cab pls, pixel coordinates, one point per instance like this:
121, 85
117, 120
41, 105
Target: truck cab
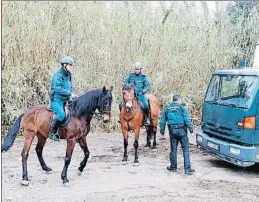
230, 117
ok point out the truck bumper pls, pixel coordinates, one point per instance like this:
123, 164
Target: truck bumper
243, 156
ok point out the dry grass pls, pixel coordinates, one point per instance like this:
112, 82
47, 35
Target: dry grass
181, 46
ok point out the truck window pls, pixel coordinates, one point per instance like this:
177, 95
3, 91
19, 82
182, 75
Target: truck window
229, 87
231, 90
212, 92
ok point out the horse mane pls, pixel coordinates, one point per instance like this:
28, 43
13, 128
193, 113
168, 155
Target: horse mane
85, 104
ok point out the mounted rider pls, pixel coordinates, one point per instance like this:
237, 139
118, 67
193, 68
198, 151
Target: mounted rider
61, 92
142, 86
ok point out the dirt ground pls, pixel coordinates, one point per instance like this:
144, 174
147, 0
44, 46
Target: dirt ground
106, 179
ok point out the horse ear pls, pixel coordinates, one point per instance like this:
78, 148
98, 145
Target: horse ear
104, 89
111, 88
133, 85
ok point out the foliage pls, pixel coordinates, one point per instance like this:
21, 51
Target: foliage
180, 44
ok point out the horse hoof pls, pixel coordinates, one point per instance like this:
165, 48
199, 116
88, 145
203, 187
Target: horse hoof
147, 145
47, 169
25, 182
66, 184
136, 164
146, 148
124, 162
79, 172
65, 181
154, 149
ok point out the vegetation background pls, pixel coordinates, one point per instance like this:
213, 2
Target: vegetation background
181, 44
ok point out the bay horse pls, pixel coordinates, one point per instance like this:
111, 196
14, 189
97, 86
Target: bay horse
36, 122
132, 119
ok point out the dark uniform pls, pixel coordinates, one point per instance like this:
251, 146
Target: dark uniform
178, 120
142, 86
61, 87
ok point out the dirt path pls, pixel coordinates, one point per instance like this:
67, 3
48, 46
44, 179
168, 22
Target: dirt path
106, 179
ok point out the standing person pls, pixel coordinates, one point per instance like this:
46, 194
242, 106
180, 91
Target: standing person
177, 117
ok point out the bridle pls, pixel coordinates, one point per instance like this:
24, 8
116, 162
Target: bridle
133, 107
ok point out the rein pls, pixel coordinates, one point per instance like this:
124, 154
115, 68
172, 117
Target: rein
98, 115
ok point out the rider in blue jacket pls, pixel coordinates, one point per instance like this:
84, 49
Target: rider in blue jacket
142, 86
61, 91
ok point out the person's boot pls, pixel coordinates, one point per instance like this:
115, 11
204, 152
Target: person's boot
146, 115
171, 169
189, 171
54, 128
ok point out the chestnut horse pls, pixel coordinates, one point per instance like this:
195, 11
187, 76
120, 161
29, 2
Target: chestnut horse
36, 122
132, 119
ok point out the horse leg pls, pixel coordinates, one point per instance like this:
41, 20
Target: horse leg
29, 136
84, 147
154, 130
136, 162
125, 137
148, 129
70, 147
39, 148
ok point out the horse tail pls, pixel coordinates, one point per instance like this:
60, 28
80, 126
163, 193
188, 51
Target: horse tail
12, 134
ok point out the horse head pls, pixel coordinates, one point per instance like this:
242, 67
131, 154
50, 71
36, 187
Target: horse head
128, 96
105, 103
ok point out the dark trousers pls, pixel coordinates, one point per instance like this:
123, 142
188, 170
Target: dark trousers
179, 134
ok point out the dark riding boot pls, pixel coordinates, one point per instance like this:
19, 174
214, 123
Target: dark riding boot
146, 115
55, 123
171, 169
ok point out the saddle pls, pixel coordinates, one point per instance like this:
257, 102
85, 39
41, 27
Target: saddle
67, 112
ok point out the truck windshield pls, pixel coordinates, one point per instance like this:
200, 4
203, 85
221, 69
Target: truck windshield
231, 90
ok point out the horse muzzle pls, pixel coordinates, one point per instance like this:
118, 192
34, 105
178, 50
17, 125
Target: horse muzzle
106, 117
129, 108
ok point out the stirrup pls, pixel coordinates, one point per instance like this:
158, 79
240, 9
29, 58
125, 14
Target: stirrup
54, 137
147, 122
